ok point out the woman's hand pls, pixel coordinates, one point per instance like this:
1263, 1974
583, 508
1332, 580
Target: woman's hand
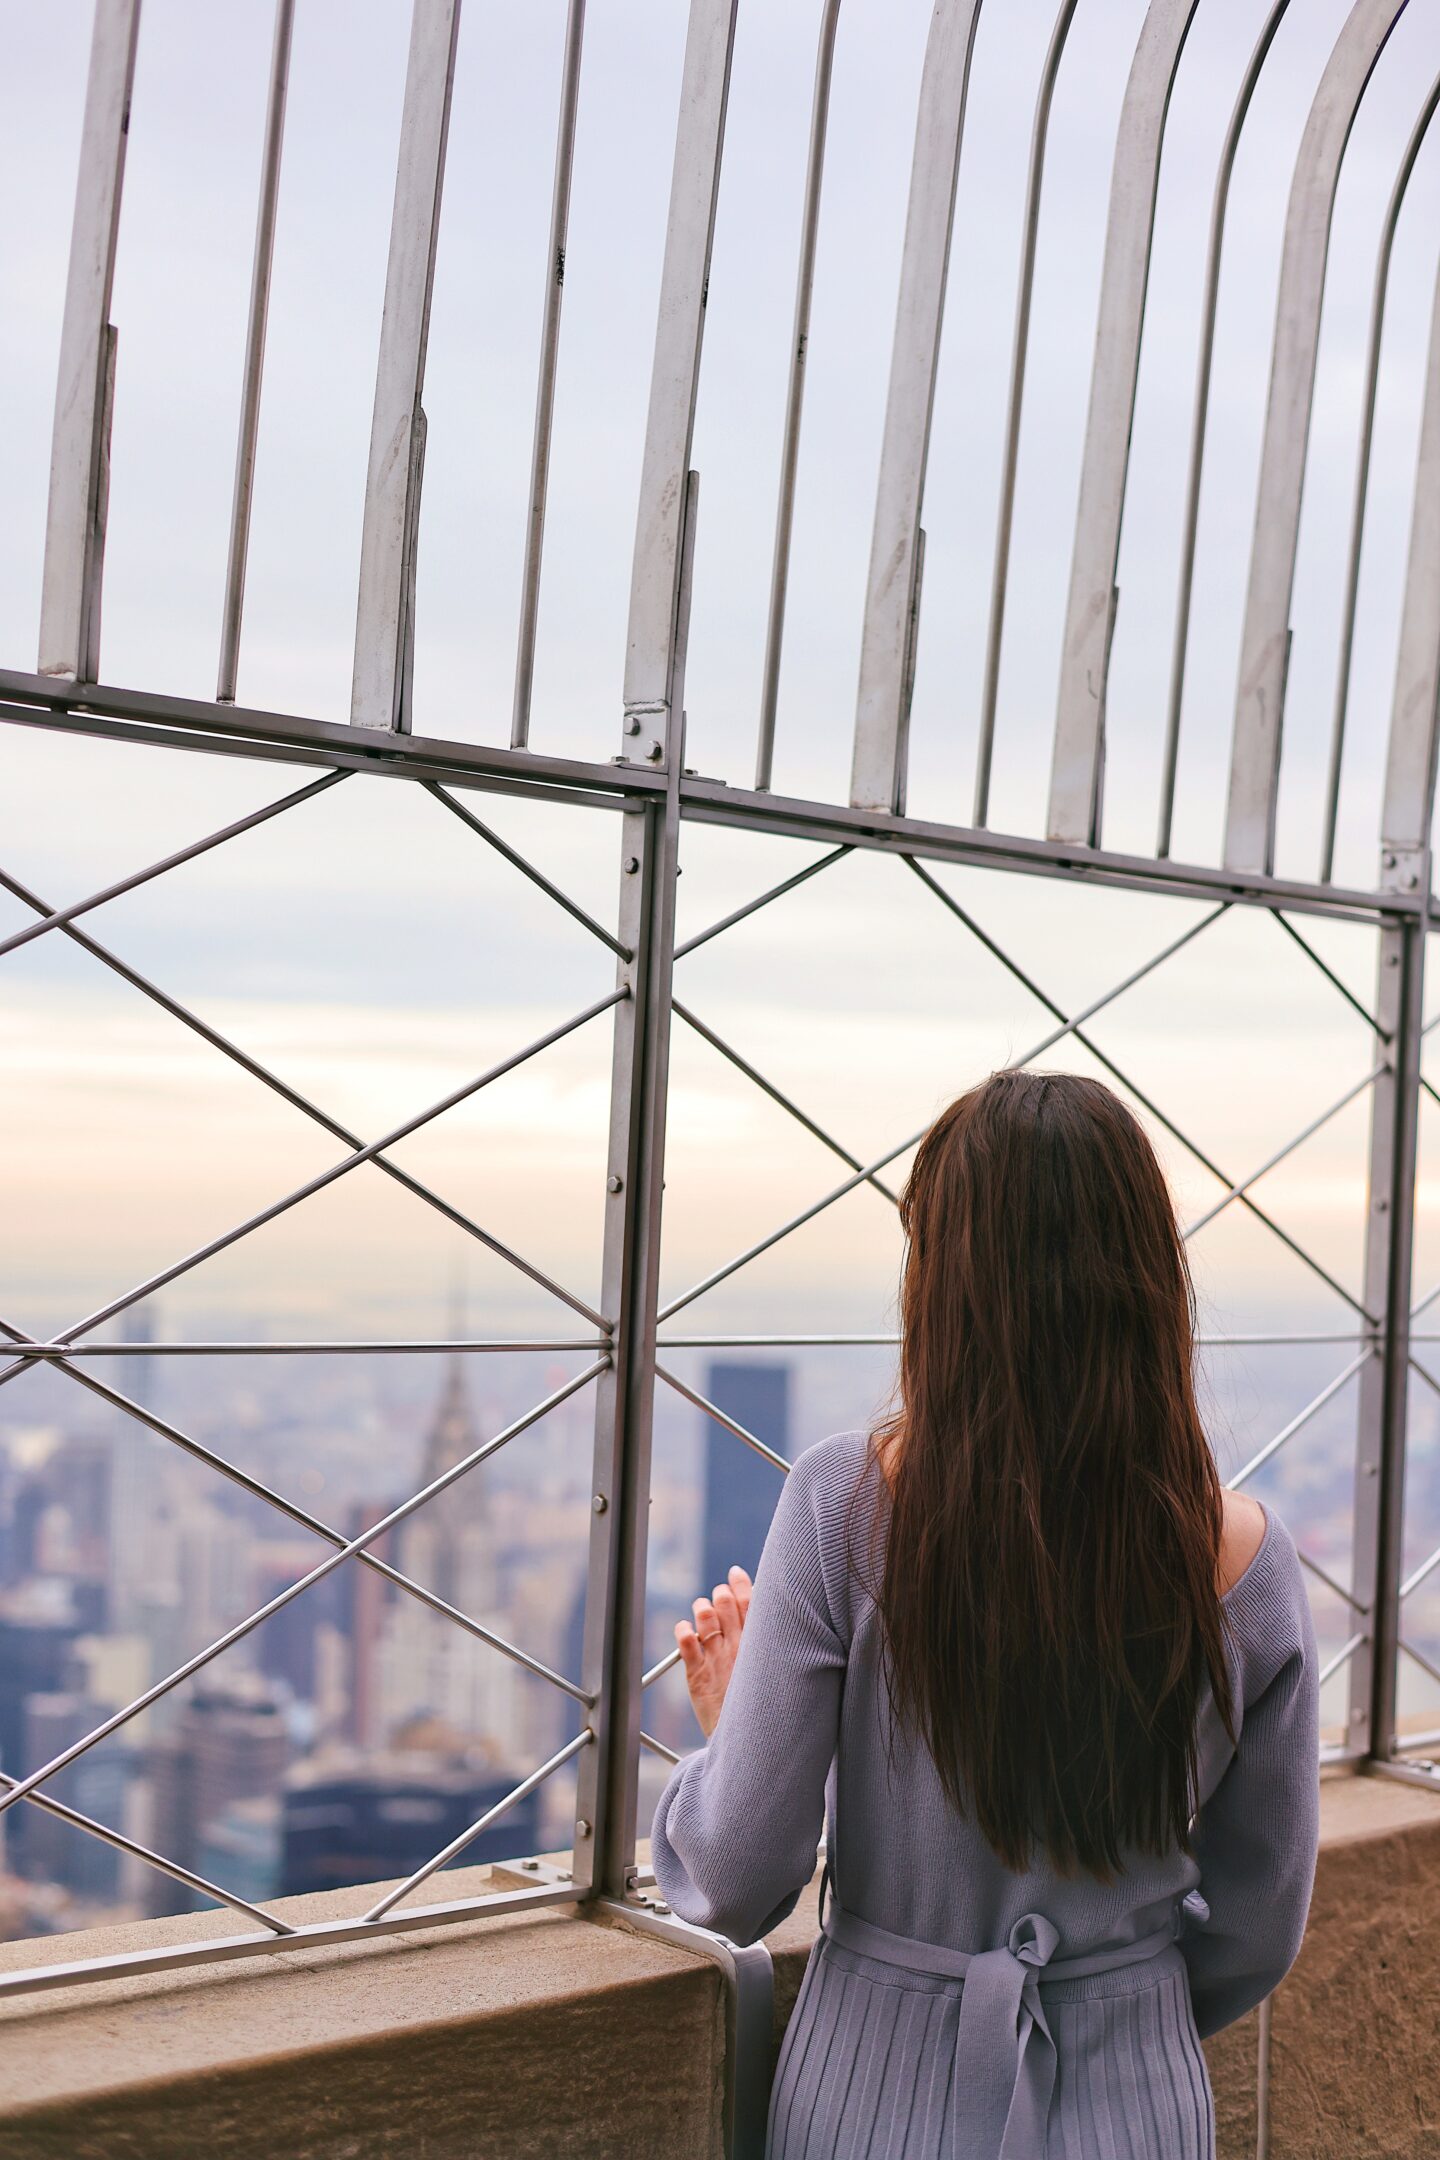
708, 1649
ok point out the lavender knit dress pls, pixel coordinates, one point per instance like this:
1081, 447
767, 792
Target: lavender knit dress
952, 2008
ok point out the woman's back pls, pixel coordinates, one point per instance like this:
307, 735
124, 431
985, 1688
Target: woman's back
876, 2060
1058, 1697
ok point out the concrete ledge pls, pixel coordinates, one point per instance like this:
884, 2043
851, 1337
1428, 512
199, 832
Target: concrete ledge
529, 2035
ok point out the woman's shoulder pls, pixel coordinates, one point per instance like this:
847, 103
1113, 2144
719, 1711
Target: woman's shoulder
1264, 1601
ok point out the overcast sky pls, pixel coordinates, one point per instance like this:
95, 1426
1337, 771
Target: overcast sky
364, 945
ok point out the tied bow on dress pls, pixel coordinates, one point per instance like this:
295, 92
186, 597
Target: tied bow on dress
1005, 2060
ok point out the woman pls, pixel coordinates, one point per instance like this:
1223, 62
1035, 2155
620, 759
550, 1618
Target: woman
1050, 1689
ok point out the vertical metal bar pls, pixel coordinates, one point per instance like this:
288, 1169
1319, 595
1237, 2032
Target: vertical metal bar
1385, 1381
545, 385
384, 613
654, 697
1379, 296
1409, 798
1039, 130
1262, 2082
881, 714
80, 446
675, 376
1077, 769
607, 1798
795, 396
1219, 205
255, 352
1265, 639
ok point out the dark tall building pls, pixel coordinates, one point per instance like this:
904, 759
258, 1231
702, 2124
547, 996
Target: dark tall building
740, 1488
95, 1783
371, 1822
230, 1742
37, 1634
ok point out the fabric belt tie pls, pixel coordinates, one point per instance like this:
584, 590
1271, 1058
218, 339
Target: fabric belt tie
1005, 2059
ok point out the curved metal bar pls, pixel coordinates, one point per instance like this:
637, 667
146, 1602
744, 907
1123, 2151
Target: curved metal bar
675, 377
384, 615
1265, 640
255, 353
1077, 769
545, 386
795, 398
882, 710
80, 446
1040, 128
1410, 760
1362, 475
1219, 206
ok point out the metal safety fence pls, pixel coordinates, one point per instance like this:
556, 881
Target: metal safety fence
629, 1336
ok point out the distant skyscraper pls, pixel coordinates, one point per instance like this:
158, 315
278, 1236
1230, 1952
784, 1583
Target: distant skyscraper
740, 1489
135, 1481
230, 1742
350, 1822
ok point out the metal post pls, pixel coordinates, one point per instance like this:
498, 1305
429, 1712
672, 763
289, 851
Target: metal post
614, 1654
1385, 1380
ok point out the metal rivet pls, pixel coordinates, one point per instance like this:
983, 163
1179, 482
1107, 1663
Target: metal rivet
655, 752
582, 1828
599, 1503
632, 864
632, 727
1389, 862
614, 1184
1381, 1204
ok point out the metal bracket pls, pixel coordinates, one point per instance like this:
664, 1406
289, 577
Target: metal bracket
748, 1977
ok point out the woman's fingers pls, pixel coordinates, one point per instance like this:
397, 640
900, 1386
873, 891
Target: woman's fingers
692, 1657
741, 1585
727, 1612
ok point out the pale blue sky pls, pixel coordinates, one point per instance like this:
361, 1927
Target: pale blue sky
364, 944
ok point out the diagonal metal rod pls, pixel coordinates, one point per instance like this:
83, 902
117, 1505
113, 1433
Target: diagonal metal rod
701, 1402
26, 1785
1000, 575
1420, 1659
1288, 1432
338, 1170
172, 1868
1333, 1664
776, 892
1412, 1582
768, 1087
288, 1094
1147, 1102
467, 1837
60, 916
1330, 975
1348, 1597
1238, 1190
260, 1491
526, 869
860, 1177
658, 1747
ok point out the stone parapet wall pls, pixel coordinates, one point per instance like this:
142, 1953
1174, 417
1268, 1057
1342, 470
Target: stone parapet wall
542, 2034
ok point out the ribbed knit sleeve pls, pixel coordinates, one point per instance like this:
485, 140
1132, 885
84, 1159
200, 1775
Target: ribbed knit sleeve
1258, 1832
738, 1825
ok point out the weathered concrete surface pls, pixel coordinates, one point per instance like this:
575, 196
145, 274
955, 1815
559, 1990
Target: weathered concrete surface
541, 2034
518, 2038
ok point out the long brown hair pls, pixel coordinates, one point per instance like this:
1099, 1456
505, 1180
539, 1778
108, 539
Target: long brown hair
1048, 1594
